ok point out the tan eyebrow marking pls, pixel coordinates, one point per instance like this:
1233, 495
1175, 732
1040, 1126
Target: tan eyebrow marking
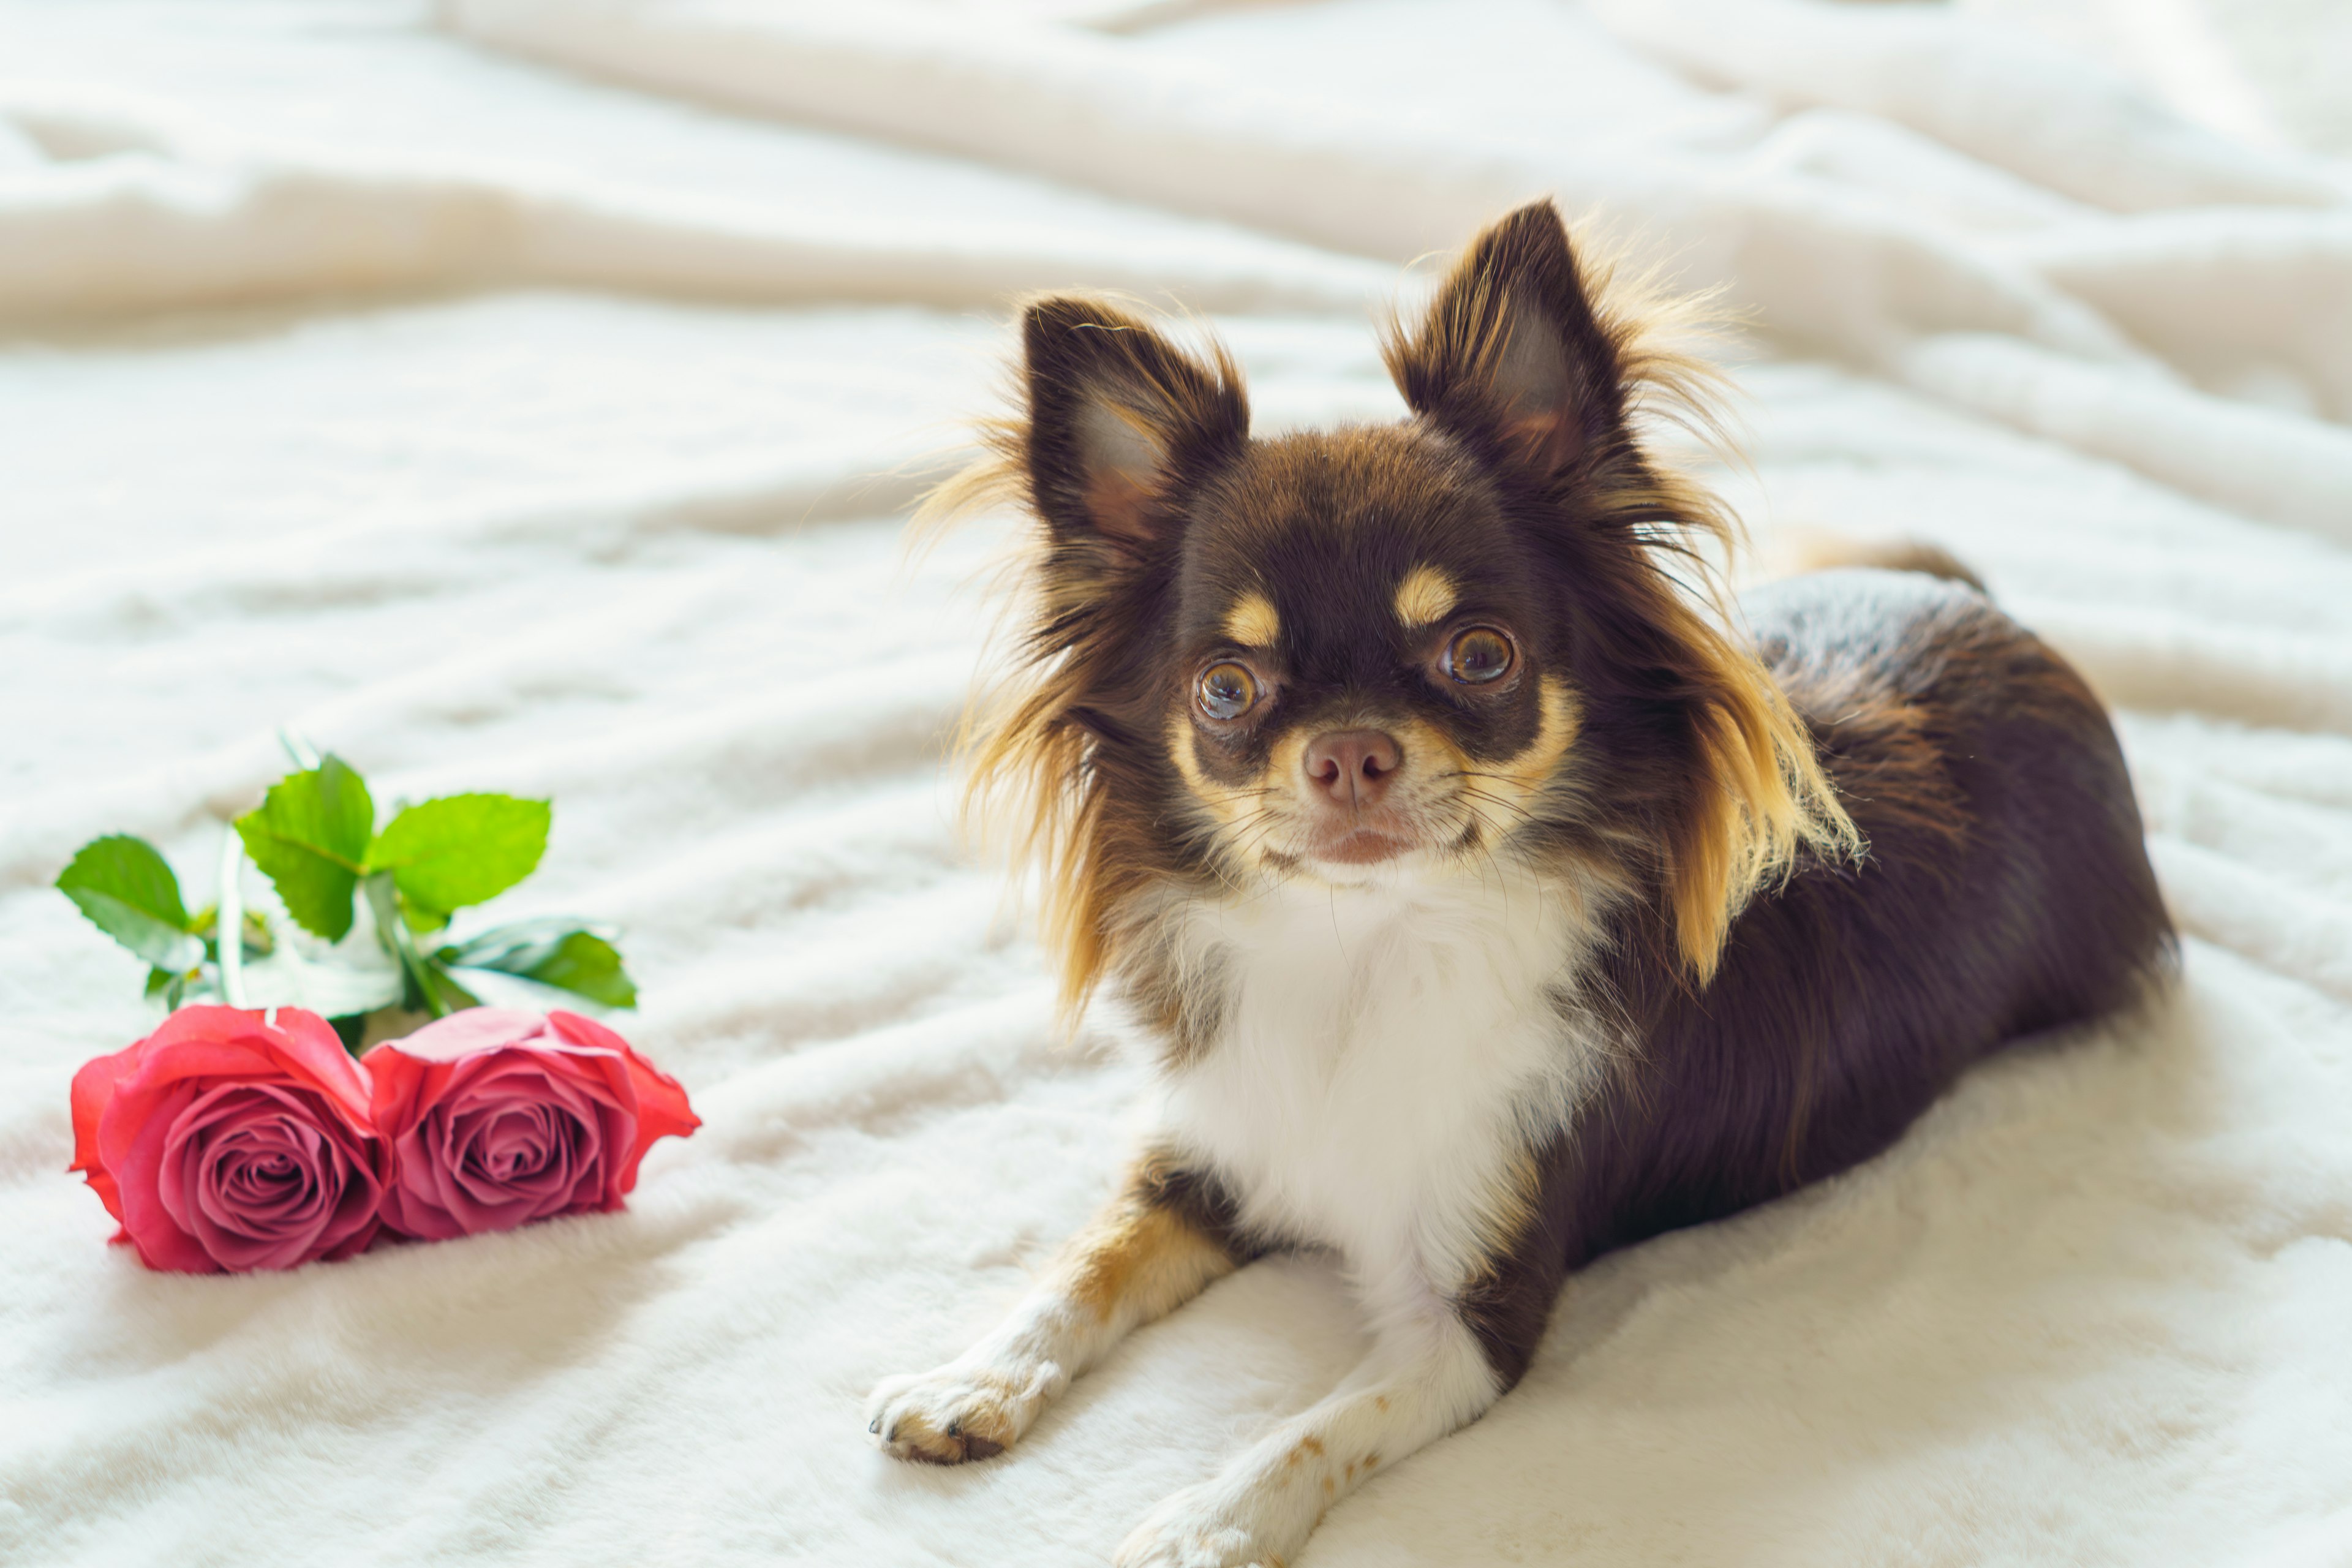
1426, 594
1253, 622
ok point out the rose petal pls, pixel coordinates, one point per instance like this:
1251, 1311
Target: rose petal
178, 1122
662, 1108
93, 1086
230, 1125
242, 1238
580, 1086
466, 1033
516, 1153
313, 1046
495, 1117
146, 1214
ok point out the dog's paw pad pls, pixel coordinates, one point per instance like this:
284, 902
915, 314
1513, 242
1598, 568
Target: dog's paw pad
946, 1417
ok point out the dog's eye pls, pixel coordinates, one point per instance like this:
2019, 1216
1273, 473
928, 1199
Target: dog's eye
1479, 656
1227, 691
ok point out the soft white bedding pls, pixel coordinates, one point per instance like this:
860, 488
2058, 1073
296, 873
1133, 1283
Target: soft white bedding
527, 396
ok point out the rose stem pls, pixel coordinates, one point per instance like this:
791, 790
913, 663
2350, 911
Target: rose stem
228, 924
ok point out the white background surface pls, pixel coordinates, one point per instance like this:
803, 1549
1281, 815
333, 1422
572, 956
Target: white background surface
528, 398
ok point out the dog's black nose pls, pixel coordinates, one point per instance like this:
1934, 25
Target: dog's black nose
1352, 767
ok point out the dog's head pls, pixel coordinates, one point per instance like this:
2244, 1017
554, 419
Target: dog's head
1363, 675
1386, 651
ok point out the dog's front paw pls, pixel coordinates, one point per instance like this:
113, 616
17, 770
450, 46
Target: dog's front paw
962, 1411
1199, 1528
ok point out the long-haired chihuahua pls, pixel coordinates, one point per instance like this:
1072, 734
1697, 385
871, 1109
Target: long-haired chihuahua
1484, 897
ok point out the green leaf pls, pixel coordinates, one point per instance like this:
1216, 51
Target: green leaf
131, 871
455, 998
461, 849
128, 891
555, 950
587, 965
422, 921
309, 836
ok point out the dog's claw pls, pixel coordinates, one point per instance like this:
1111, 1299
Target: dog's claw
955, 1413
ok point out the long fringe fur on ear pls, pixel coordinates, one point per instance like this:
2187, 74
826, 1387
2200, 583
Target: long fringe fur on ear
1765, 797
1034, 774
1761, 797
1028, 793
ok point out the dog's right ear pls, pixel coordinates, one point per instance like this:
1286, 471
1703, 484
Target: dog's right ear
1512, 357
1122, 424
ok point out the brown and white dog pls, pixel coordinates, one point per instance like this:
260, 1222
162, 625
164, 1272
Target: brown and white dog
1485, 902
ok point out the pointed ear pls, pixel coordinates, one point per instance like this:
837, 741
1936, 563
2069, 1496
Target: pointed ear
1121, 422
1512, 357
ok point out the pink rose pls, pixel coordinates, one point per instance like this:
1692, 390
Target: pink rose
496, 1118
224, 1143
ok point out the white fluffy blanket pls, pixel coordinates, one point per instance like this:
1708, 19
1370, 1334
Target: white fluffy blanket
525, 396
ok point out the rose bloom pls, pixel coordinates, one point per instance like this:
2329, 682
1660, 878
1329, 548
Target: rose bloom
223, 1141
496, 1118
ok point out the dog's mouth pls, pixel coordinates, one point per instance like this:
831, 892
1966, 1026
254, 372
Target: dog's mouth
1363, 846
1367, 835
1422, 829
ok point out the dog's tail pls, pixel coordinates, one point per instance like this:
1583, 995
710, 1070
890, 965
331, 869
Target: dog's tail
1816, 550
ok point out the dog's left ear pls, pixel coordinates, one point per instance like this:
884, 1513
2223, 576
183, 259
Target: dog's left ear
1512, 358
1120, 423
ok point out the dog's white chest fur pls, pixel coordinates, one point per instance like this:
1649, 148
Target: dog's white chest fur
1384, 1056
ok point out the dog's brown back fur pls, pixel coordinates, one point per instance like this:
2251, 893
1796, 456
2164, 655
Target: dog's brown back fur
2006, 890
